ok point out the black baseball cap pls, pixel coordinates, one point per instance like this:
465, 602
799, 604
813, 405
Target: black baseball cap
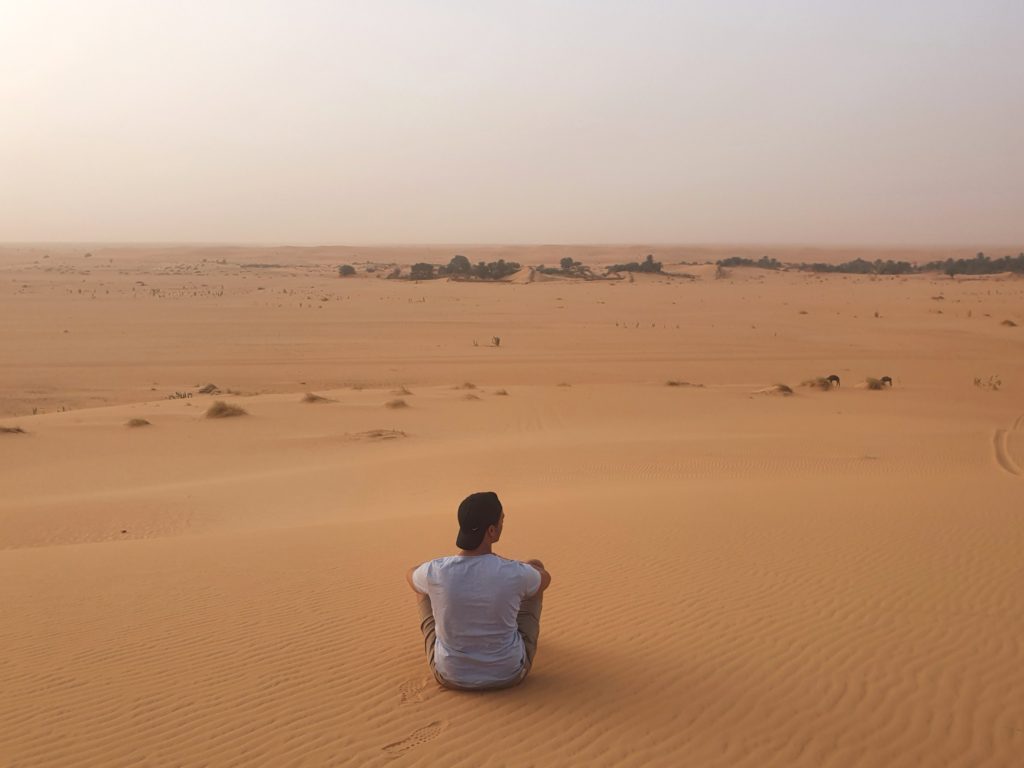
476, 512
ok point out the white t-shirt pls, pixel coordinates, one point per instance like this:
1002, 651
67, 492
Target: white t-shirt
475, 600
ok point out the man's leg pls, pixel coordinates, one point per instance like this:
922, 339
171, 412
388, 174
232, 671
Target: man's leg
427, 627
528, 621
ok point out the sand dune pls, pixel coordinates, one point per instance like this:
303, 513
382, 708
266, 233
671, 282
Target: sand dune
826, 579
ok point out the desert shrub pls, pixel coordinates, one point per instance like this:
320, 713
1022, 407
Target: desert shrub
503, 392
422, 271
495, 270
776, 389
12, 431
459, 265
1009, 323
379, 434
137, 423
466, 385
402, 390
222, 410
470, 396
738, 261
312, 397
647, 265
818, 382
992, 382
396, 403
346, 270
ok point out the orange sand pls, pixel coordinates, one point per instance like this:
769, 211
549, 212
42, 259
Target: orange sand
827, 579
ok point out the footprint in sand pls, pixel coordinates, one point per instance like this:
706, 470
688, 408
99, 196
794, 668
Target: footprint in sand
1001, 446
415, 739
414, 691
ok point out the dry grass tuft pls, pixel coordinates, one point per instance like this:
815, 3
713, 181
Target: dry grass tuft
222, 410
12, 431
396, 403
776, 389
312, 397
137, 423
402, 390
503, 392
379, 434
466, 385
470, 396
818, 382
674, 383
1009, 323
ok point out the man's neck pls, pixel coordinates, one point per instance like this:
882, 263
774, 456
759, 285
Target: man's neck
483, 549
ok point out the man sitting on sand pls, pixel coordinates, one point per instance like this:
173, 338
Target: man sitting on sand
479, 613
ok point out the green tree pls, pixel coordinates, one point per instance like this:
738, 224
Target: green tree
459, 265
422, 271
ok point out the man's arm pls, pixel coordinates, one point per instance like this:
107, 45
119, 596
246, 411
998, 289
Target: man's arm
412, 585
545, 577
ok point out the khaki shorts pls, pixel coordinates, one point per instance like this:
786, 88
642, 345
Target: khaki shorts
528, 622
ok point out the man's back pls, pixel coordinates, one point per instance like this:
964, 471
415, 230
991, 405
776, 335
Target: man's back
475, 601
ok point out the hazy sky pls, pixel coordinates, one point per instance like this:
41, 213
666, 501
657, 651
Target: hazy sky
528, 122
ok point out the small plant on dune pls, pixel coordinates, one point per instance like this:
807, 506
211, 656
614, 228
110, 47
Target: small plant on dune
137, 423
992, 382
818, 382
312, 397
466, 385
674, 383
503, 392
396, 403
222, 410
776, 389
1009, 323
379, 434
883, 383
470, 396
12, 431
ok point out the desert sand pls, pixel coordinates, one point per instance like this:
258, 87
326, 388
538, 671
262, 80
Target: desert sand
741, 578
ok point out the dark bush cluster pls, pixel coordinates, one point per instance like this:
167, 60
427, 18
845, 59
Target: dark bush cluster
346, 270
738, 261
567, 266
979, 265
647, 265
460, 266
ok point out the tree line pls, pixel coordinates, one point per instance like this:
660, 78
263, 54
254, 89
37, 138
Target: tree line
979, 265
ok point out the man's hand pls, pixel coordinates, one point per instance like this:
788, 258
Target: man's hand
545, 577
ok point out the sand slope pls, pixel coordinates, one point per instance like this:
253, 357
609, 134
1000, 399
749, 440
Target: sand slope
827, 579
